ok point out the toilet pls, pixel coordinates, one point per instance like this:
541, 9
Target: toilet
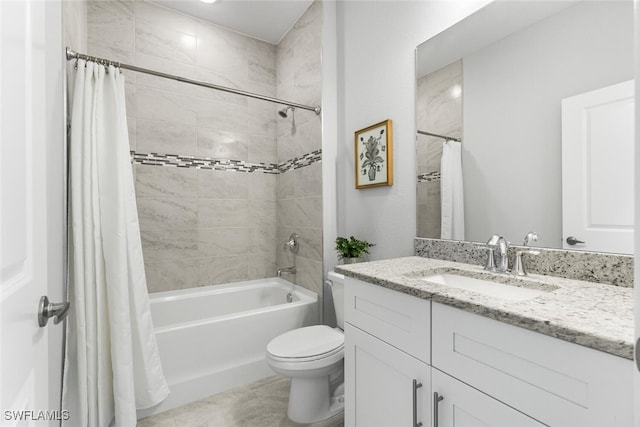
313, 357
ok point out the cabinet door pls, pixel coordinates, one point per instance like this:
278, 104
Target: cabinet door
379, 384
464, 406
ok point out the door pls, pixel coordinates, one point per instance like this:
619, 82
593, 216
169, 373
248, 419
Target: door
379, 381
598, 169
464, 406
23, 215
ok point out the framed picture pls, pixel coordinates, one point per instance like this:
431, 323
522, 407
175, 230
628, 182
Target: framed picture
374, 156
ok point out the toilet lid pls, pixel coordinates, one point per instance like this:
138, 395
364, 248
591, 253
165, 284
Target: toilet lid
306, 342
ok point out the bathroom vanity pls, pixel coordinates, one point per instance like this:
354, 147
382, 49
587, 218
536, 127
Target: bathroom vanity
440, 343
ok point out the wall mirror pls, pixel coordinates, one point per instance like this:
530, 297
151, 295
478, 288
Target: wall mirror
501, 81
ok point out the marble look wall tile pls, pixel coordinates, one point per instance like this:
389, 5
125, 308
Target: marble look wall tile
167, 213
263, 240
114, 53
223, 184
309, 274
262, 118
157, 15
165, 42
441, 85
161, 244
111, 23
219, 143
285, 185
223, 213
74, 25
224, 52
262, 213
163, 137
171, 275
308, 212
131, 128
215, 114
261, 63
262, 265
164, 65
154, 181
226, 269
218, 242
262, 186
308, 181
171, 107
262, 149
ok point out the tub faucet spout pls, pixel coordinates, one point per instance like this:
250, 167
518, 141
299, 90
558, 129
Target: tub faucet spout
286, 270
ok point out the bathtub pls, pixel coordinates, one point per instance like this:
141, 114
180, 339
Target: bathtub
214, 338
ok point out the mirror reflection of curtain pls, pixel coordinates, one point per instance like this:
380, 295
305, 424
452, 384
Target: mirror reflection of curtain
451, 191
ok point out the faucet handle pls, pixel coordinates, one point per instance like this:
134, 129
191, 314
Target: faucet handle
493, 240
519, 269
531, 236
490, 265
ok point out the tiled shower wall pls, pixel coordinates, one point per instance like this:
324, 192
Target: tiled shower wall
438, 110
204, 222
299, 191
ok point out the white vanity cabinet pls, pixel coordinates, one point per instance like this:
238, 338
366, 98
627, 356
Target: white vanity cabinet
553, 381
464, 406
387, 354
487, 372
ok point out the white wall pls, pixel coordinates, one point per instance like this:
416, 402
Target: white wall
376, 81
512, 115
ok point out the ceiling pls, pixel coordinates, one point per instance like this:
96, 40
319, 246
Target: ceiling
267, 20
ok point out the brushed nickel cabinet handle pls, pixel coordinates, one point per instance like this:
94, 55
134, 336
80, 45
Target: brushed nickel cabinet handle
416, 386
436, 399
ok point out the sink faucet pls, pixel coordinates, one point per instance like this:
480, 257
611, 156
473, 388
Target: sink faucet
286, 270
502, 264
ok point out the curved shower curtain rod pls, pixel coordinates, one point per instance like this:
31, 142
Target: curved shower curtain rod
75, 55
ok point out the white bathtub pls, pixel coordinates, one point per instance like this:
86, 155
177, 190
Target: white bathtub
213, 338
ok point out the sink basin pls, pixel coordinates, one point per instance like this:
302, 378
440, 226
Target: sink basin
484, 287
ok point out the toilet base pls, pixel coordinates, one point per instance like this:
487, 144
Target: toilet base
310, 400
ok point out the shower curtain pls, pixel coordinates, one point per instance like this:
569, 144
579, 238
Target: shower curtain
112, 365
451, 191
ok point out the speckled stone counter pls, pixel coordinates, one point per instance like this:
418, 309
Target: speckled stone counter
599, 316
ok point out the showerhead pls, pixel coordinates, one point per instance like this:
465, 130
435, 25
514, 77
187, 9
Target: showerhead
283, 112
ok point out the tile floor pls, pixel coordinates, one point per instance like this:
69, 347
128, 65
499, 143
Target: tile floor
261, 404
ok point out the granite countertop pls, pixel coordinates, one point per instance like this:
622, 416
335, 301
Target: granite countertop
599, 316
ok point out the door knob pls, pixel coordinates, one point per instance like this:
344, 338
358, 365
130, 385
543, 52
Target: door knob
573, 241
48, 309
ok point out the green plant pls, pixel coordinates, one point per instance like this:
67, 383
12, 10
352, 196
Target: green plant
351, 247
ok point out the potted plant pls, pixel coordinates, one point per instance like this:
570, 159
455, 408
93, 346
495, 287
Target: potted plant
350, 250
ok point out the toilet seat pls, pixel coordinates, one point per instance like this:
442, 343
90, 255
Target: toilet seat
309, 344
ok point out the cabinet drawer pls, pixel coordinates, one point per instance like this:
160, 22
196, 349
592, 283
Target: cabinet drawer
402, 320
554, 381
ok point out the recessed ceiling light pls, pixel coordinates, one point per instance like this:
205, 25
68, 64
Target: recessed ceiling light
208, 1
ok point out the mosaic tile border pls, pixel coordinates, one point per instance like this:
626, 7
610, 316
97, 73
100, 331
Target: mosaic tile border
429, 176
181, 161
300, 162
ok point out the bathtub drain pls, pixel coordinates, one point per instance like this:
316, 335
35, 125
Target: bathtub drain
289, 297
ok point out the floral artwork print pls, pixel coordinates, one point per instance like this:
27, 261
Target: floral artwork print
371, 150
373, 155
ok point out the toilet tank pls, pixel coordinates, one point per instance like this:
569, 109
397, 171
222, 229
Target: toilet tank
337, 290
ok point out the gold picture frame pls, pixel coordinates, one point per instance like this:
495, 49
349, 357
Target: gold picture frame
374, 155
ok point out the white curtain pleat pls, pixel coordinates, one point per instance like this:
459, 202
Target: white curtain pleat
112, 365
451, 192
